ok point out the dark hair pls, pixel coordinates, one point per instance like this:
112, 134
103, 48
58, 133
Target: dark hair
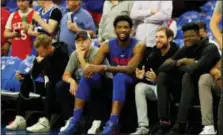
190, 26
202, 25
123, 18
167, 30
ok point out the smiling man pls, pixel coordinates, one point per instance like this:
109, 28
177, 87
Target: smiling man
124, 54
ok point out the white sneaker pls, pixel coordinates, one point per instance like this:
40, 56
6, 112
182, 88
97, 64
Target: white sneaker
141, 131
42, 126
18, 124
66, 125
208, 130
95, 128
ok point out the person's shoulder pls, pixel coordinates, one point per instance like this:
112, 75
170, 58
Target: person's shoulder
56, 9
84, 11
62, 46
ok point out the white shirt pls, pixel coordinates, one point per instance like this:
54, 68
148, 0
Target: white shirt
147, 23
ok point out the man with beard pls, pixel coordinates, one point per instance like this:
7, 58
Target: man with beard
179, 76
124, 54
146, 88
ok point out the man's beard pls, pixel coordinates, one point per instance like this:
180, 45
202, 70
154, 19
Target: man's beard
124, 40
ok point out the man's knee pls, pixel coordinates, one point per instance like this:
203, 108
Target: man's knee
120, 77
140, 89
60, 87
205, 79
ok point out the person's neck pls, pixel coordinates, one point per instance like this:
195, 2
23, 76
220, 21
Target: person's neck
75, 9
24, 11
48, 5
165, 50
114, 2
124, 44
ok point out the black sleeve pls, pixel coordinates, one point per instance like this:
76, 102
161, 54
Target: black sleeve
38, 68
179, 54
56, 15
209, 58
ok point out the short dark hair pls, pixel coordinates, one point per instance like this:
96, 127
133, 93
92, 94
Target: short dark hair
123, 18
167, 30
202, 25
190, 26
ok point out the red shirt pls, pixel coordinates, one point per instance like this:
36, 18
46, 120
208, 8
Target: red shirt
21, 47
4, 17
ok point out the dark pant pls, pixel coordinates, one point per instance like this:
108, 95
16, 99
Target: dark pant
181, 86
28, 86
220, 115
65, 99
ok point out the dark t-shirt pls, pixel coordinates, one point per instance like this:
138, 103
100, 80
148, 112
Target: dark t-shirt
56, 15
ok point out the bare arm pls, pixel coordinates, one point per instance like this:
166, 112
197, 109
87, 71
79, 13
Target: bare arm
50, 27
8, 34
215, 20
31, 32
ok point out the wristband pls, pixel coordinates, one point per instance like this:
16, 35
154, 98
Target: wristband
103, 68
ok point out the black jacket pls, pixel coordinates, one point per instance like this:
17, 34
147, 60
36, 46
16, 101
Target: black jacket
154, 59
53, 66
206, 54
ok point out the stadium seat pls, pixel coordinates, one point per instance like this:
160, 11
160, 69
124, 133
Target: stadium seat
190, 16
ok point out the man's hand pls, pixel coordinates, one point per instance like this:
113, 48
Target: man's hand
19, 76
151, 76
73, 87
140, 73
25, 27
185, 61
91, 69
80, 53
216, 73
36, 17
39, 59
72, 26
153, 11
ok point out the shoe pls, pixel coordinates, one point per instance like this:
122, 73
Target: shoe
110, 129
141, 131
208, 130
178, 129
95, 128
42, 126
18, 124
69, 128
161, 128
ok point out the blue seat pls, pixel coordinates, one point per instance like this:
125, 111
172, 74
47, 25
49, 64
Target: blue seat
8, 67
190, 16
11, 5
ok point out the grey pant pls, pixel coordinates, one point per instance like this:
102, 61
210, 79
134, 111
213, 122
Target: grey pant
207, 84
144, 92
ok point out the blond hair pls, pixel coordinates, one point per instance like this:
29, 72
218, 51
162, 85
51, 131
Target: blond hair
42, 40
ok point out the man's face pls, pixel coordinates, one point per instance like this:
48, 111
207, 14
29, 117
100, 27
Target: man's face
123, 30
40, 2
43, 52
82, 43
23, 4
202, 32
191, 37
161, 40
70, 4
